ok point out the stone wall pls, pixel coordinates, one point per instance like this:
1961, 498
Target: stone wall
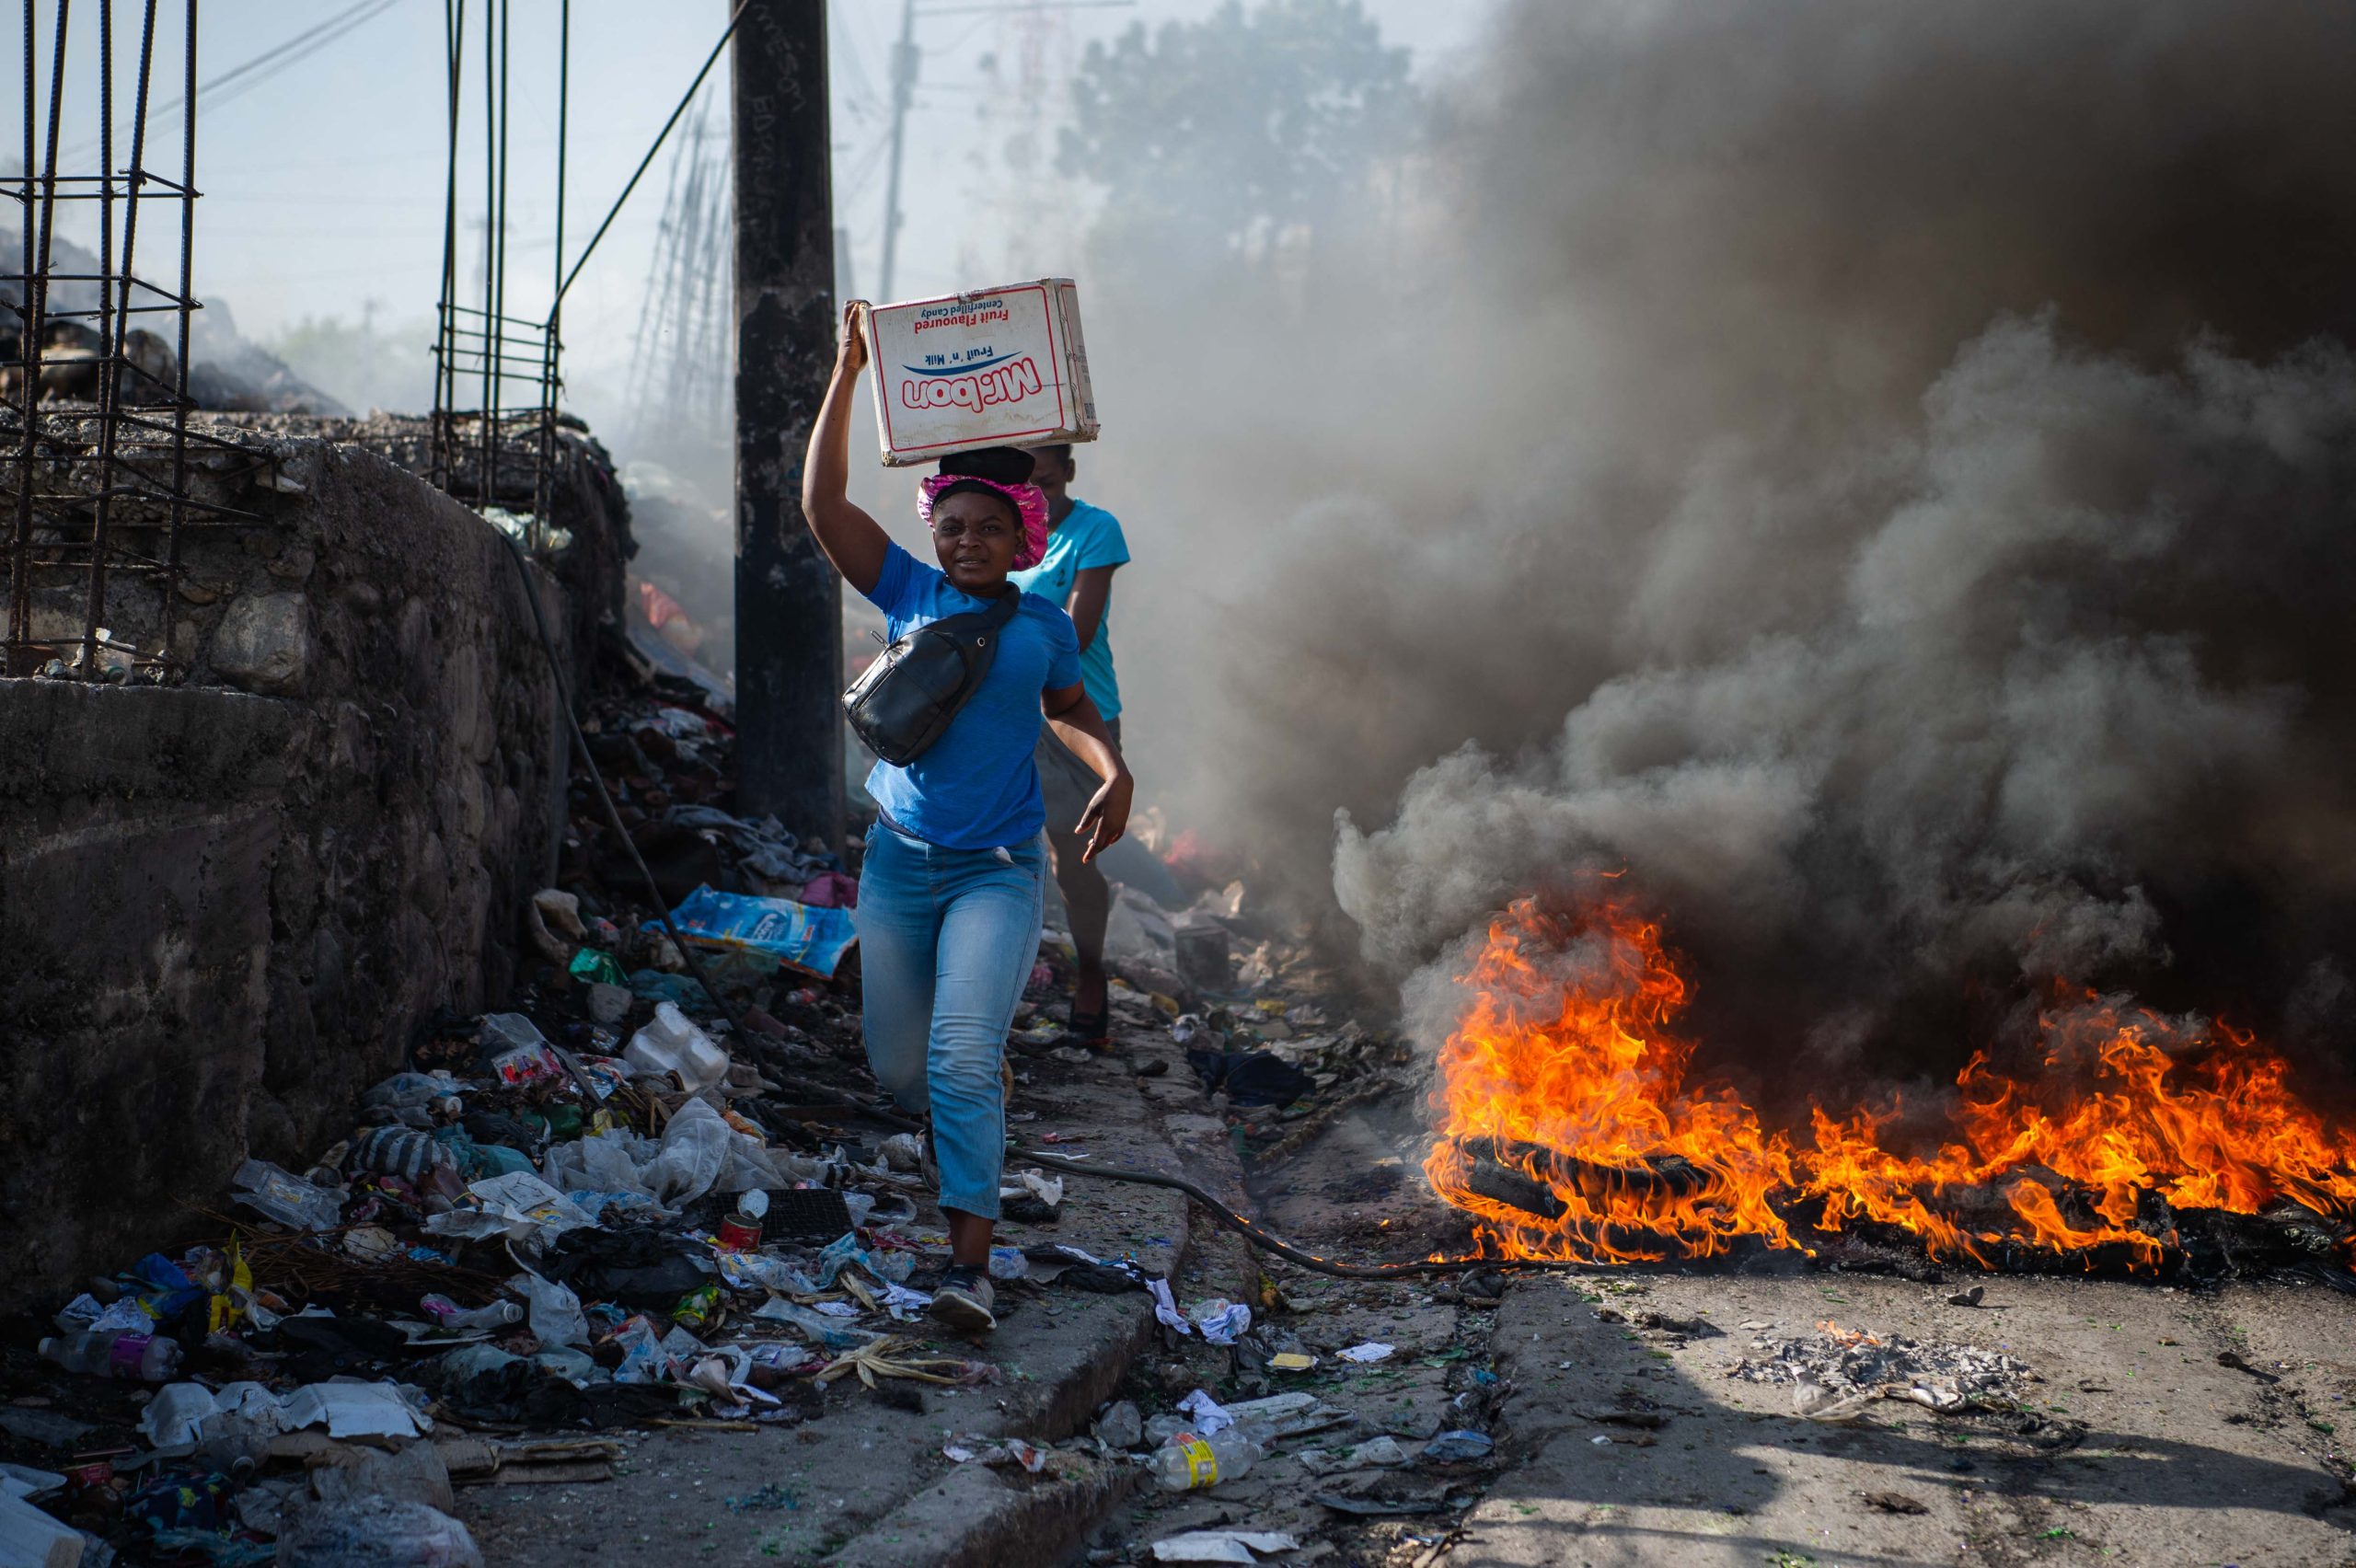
228, 905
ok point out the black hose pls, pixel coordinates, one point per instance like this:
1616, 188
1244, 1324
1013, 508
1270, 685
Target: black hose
1277, 1245
613, 815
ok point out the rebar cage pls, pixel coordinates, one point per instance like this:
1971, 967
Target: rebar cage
499, 455
96, 457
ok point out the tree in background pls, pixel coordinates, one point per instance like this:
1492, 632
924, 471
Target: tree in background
1236, 137
363, 366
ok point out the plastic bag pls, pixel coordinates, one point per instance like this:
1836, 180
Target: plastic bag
833, 1333
286, 1197
375, 1532
695, 1149
556, 1316
757, 1270
1219, 1319
516, 1207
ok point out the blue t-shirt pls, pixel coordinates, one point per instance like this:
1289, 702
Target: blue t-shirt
976, 786
1089, 536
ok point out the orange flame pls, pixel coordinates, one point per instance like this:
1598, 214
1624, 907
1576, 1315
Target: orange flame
1564, 1087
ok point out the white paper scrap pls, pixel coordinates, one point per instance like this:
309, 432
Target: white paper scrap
1210, 1418
1220, 1546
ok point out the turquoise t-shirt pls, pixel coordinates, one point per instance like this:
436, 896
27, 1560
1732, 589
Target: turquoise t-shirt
976, 786
1089, 536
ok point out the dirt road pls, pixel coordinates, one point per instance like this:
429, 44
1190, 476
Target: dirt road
2145, 1445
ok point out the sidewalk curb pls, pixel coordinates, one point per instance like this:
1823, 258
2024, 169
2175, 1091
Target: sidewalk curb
974, 1518
980, 1517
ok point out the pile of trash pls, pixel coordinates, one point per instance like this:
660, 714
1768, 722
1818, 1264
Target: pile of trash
1837, 1372
569, 1229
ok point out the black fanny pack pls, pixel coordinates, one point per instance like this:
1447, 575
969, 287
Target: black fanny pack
906, 699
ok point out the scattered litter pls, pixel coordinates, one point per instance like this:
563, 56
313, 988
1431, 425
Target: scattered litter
1166, 1307
31, 1538
808, 938
1381, 1493
1120, 1426
1835, 1372
1367, 1354
1222, 1546
890, 1358
1452, 1448
770, 1499
350, 1409
1649, 1420
1377, 1453
1219, 1322
375, 1532
1209, 1418
1191, 1461
1972, 1298
1291, 1361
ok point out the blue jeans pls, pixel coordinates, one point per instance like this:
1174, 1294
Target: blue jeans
946, 941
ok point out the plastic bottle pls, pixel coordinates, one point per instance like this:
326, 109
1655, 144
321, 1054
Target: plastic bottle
1187, 1463
146, 1358
450, 1315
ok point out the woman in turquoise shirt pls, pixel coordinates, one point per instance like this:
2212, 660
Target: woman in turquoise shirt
1084, 548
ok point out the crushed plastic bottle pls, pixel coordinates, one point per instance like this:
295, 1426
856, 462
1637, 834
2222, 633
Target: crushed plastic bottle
146, 1358
450, 1315
1189, 1463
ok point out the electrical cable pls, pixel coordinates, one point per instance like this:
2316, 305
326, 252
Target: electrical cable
1277, 1244
242, 77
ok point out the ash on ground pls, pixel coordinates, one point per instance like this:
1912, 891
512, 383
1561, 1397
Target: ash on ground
1836, 1371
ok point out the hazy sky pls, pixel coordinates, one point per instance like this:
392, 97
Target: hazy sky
323, 178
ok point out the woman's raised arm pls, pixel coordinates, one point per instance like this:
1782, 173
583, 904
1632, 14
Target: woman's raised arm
855, 541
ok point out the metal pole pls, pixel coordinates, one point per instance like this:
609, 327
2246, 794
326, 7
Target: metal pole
788, 607
904, 90
544, 476
490, 243
446, 347
21, 657
187, 300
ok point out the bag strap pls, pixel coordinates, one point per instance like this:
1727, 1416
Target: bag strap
1002, 611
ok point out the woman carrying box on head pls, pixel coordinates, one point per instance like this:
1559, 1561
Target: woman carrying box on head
954, 880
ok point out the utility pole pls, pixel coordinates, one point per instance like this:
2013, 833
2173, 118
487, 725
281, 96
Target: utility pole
903, 89
904, 55
789, 606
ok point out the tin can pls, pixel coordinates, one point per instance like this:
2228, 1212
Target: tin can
740, 1233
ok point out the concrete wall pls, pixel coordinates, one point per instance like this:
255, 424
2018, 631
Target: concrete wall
224, 913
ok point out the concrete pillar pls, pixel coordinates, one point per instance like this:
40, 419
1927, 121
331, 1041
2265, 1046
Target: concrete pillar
789, 608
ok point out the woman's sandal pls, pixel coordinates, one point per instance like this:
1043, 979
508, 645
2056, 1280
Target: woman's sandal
1091, 1031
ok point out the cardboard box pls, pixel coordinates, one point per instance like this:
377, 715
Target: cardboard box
996, 367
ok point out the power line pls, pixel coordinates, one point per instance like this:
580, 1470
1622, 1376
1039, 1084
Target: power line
904, 57
252, 74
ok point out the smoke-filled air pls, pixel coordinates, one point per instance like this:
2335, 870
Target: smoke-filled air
1878, 491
